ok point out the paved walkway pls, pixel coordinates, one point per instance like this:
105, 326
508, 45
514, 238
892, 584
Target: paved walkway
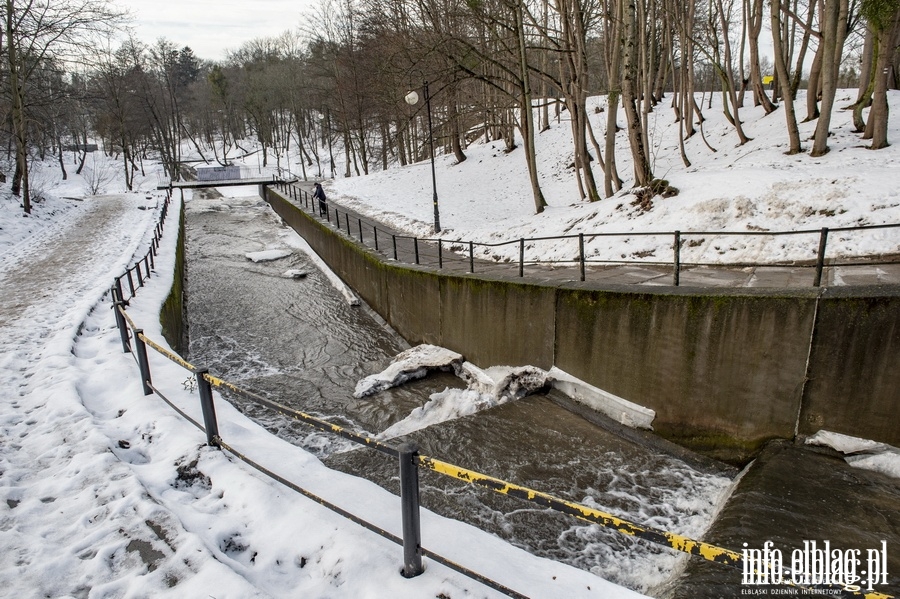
454, 257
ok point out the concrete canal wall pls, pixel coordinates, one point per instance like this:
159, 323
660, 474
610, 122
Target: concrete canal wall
725, 370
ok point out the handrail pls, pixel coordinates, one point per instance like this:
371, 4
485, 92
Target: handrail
676, 263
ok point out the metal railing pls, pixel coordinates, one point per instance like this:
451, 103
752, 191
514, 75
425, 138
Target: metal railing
409, 462
140, 271
465, 255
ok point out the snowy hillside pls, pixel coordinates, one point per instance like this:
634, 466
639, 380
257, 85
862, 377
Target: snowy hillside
747, 187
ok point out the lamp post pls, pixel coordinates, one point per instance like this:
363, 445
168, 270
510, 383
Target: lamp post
412, 98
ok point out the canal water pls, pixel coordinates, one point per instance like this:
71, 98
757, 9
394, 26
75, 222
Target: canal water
280, 328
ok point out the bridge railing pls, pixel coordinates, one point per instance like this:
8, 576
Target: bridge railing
410, 461
670, 252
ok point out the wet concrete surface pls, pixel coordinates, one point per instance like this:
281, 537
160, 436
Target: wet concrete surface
794, 493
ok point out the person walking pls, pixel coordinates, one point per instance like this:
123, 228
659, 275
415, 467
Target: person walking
319, 194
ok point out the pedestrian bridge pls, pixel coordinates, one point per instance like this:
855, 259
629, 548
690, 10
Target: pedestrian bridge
224, 183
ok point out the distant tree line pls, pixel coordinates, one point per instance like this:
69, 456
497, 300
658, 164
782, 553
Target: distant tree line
337, 83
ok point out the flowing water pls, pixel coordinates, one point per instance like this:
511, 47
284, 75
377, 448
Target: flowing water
296, 340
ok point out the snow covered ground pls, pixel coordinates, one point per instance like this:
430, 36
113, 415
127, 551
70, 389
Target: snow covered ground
107, 493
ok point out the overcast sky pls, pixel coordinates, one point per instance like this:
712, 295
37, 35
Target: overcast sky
211, 27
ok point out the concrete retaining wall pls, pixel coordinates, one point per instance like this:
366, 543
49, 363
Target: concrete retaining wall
725, 370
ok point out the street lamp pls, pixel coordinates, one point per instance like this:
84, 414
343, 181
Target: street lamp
412, 98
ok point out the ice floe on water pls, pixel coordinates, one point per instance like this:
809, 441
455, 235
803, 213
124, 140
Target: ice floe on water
268, 255
861, 453
409, 365
485, 388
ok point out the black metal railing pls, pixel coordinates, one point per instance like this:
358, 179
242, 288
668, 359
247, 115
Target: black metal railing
466, 255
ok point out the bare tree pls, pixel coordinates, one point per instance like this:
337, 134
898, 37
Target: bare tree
38, 32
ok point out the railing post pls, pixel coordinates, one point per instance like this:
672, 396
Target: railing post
121, 296
416, 248
375, 235
820, 258
130, 282
140, 349
677, 258
521, 257
140, 276
581, 253
440, 254
394, 240
359, 225
209, 409
471, 257
347, 222
409, 505
118, 304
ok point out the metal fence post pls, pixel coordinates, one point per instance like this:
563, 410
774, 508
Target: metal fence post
118, 304
820, 258
521, 257
409, 505
375, 235
440, 254
209, 409
581, 253
416, 248
394, 240
140, 349
359, 225
677, 258
471, 257
347, 222
130, 282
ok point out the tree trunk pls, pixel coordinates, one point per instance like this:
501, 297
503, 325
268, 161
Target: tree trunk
527, 114
878, 115
787, 98
866, 82
643, 173
17, 111
755, 26
836, 14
